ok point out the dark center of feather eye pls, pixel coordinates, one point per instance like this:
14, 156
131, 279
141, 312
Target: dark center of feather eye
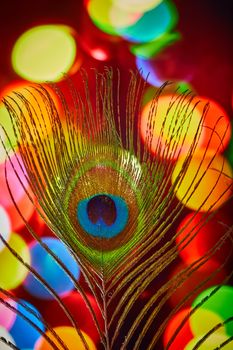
102, 207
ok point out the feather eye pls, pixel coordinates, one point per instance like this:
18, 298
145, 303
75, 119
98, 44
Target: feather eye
103, 207
108, 197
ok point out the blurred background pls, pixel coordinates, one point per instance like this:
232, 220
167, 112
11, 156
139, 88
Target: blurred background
186, 42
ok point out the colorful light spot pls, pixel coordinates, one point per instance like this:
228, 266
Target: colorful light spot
7, 316
24, 204
8, 140
49, 270
212, 342
198, 234
219, 302
202, 321
216, 127
211, 272
151, 91
207, 181
149, 72
15, 273
119, 18
138, 5
5, 338
164, 15
165, 65
34, 114
99, 53
24, 333
5, 226
75, 302
152, 48
44, 52
178, 323
229, 151
168, 127
69, 336
108, 17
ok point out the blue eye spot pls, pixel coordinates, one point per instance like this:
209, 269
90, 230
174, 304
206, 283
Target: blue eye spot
103, 215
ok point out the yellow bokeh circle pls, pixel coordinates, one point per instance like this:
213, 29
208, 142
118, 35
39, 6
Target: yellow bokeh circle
31, 104
69, 336
205, 183
137, 5
211, 343
170, 126
202, 321
44, 53
14, 272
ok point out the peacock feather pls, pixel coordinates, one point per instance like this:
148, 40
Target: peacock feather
110, 199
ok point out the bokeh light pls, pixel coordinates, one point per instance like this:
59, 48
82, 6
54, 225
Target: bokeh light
49, 270
148, 72
33, 115
168, 127
109, 17
25, 334
5, 337
229, 151
6, 141
202, 321
44, 53
69, 336
51, 40
202, 235
206, 183
205, 276
148, 50
36, 116
14, 167
137, 5
12, 276
164, 15
212, 342
21, 198
75, 302
7, 316
162, 58
216, 127
219, 302
99, 53
119, 18
178, 321
5, 227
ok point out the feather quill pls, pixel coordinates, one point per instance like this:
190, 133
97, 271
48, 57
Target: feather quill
91, 168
